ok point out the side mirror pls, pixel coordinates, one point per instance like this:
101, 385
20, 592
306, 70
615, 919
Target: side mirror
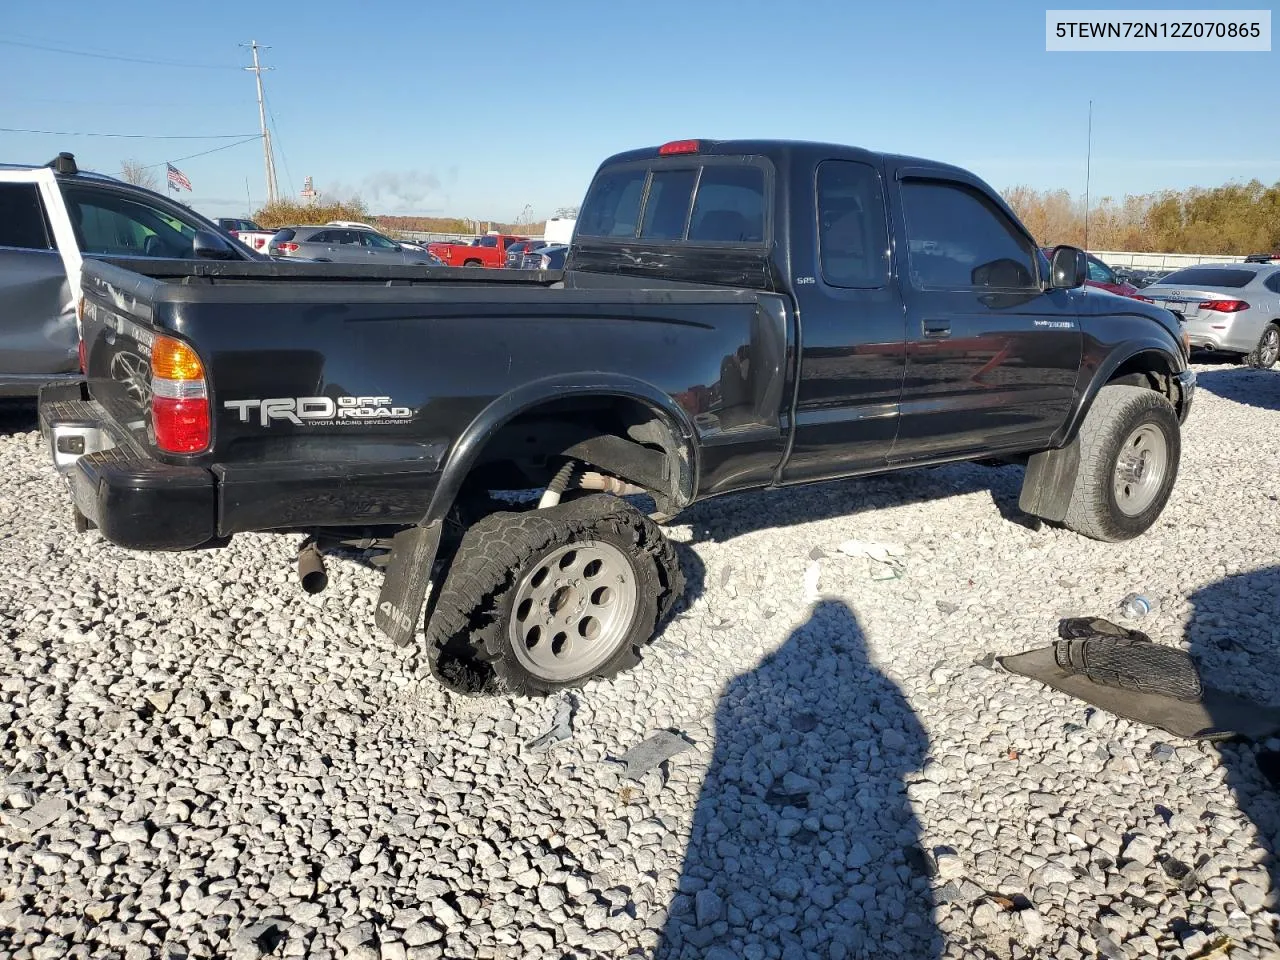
207, 245
1068, 268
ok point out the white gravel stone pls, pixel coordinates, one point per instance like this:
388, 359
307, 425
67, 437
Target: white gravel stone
189, 737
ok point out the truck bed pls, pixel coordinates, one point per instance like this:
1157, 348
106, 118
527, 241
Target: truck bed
444, 346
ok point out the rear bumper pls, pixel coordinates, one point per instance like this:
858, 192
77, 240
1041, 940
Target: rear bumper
136, 501
1231, 333
141, 503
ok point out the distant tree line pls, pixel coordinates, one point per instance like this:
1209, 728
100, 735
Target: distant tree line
287, 213
1236, 218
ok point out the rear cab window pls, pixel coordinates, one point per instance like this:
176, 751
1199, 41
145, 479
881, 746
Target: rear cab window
701, 199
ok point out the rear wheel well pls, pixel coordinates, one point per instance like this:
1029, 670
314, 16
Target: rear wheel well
616, 435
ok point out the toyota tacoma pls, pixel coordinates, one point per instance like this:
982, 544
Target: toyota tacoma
732, 316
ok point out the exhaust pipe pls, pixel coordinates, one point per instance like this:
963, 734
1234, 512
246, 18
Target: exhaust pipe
569, 477
599, 481
311, 572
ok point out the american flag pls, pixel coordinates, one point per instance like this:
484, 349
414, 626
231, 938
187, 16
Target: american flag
177, 179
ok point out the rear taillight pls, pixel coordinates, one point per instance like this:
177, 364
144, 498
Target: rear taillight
287, 247
84, 358
1138, 296
1224, 306
179, 397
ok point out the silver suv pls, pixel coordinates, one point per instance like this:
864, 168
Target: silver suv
345, 245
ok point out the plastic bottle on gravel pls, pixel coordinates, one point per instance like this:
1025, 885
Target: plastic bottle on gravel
1135, 606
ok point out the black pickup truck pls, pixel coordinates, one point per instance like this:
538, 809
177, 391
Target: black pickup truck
732, 315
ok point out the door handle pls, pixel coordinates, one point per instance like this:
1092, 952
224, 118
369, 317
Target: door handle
936, 328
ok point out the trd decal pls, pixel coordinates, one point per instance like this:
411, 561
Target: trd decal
321, 410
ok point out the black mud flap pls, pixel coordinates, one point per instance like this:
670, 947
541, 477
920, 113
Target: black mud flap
1049, 480
413, 551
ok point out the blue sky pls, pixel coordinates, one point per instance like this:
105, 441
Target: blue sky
479, 109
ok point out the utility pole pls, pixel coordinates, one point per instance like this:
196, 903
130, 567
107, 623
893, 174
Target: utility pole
1088, 169
273, 193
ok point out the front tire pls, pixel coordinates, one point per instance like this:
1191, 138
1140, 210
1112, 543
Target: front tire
1265, 354
1130, 446
545, 600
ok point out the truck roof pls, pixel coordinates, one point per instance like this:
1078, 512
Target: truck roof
808, 149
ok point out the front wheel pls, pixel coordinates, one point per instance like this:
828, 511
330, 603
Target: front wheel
545, 600
1265, 354
1130, 446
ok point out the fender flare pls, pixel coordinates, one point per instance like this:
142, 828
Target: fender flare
1051, 474
462, 456
1114, 361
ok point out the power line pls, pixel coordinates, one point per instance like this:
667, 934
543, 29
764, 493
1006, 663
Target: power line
118, 103
192, 156
125, 136
113, 56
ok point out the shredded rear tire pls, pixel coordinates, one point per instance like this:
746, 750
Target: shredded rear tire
469, 633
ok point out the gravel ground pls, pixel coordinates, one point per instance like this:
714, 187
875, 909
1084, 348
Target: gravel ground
200, 761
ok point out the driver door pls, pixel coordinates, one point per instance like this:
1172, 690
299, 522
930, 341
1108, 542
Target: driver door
992, 357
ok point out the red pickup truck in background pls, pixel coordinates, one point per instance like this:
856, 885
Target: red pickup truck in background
487, 251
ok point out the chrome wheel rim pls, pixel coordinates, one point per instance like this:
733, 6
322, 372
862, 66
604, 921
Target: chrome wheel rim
573, 609
1140, 469
1270, 348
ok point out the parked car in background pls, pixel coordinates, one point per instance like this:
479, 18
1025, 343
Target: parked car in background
1144, 278
559, 230
516, 252
328, 244
1103, 277
1228, 308
548, 257
357, 225
247, 232
487, 251
51, 219
234, 225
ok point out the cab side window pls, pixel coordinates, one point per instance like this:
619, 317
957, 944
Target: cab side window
116, 224
853, 240
957, 239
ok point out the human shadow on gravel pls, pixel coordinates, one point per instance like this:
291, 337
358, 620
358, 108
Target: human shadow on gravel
18, 416
1256, 388
724, 518
803, 841
1234, 635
